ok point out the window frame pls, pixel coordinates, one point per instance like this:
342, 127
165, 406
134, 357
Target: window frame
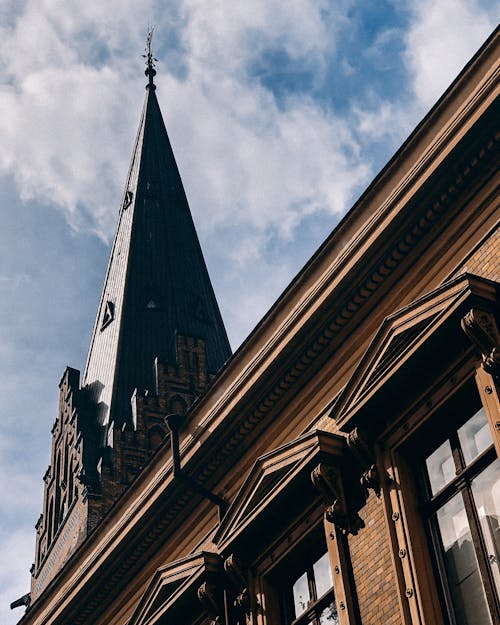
310, 534
402, 445
460, 485
316, 603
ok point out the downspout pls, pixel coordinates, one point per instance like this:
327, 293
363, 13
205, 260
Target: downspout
173, 422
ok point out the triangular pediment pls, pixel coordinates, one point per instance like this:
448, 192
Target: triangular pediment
270, 475
402, 334
173, 582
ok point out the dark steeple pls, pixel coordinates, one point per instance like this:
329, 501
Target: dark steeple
157, 285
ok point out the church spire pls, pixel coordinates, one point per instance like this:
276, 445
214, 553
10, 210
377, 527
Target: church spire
157, 285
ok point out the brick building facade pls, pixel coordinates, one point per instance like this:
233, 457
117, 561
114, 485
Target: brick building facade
342, 466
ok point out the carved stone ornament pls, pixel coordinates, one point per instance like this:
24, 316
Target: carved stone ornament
362, 450
371, 479
481, 328
210, 597
328, 481
239, 580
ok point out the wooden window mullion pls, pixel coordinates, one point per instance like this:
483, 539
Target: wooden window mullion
481, 552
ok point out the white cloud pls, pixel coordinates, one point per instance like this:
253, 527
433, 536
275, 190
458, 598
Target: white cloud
66, 126
385, 119
59, 141
259, 167
20, 491
226, 37
443, 35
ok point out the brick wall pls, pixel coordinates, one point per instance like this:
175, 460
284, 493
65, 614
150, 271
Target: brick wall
70, 535
373, 569
485, 261
177, 387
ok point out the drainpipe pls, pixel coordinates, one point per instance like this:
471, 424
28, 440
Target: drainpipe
174, 422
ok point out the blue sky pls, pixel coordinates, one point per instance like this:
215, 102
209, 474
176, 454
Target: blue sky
280, 114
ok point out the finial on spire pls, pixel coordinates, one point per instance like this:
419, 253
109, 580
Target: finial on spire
150, 60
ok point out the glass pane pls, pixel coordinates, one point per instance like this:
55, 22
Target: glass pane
475, 436
459, 558
322, 575
301, 594
486, 491
329, 615
440, 467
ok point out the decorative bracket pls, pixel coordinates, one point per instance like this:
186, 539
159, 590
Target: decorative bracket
211, 599
359, 444
481, 328
238, 577
328, 481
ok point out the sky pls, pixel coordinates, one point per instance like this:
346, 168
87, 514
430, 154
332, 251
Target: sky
280, 114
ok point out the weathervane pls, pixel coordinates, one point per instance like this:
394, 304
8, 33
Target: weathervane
150, 59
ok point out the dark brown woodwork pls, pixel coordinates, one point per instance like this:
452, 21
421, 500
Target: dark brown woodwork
362, 449
238, 578
481, 328
211, 598
339, 510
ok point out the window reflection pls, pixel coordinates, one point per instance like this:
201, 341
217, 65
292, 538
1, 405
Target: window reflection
323, 575
440, 467
301, 594
475, 436
329, 615
460, 562
308, 598
486, 492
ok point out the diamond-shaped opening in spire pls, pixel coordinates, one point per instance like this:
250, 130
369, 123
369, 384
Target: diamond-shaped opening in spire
109, 314
128, 199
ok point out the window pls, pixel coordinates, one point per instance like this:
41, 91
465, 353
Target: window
461, 485
308, 597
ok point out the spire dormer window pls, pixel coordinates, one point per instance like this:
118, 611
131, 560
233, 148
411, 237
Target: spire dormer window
109, 314
128, 199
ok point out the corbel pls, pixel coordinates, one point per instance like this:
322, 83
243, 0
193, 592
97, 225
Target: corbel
362, 450
340, 511
238, 576
211, 598
481, 329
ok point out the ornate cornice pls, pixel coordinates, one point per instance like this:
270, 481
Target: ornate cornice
429, 216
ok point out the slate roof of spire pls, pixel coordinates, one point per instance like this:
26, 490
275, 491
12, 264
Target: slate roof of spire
157, 282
